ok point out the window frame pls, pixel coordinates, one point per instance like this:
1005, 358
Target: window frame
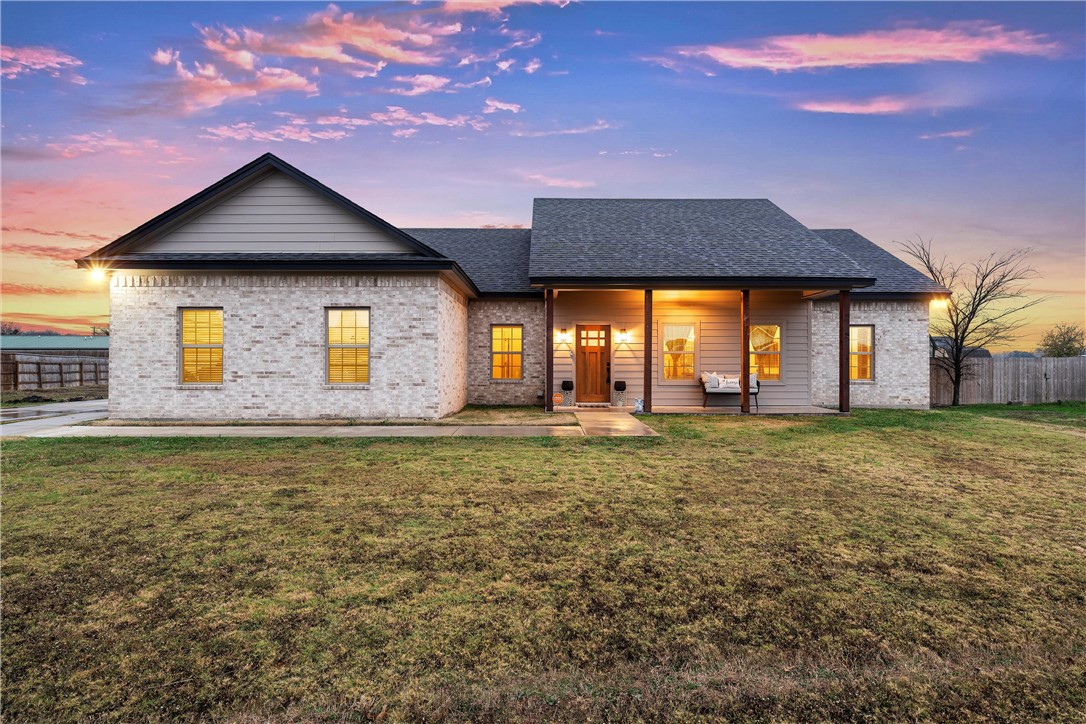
663, 352
328, 346
182, 346
490, 343
870, 354
780, 353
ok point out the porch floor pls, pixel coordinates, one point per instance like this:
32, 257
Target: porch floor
734, 410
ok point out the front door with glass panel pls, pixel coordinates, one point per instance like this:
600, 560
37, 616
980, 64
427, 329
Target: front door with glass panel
593, 363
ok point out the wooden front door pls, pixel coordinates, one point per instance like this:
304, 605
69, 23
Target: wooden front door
593, 363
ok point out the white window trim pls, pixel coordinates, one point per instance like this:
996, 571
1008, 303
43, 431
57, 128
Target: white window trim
662, 353
784, 348
328, 384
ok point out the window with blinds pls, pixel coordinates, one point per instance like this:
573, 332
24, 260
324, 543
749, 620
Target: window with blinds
201, 346
348, 346
861, 352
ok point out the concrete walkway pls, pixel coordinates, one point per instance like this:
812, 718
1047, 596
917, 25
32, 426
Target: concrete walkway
62, 420
612, 423
41, 418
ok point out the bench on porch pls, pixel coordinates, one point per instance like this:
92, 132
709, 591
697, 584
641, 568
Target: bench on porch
726, 385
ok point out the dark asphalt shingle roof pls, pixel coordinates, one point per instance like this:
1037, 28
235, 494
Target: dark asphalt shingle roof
495, 259
213, 256
675, 238
893, 276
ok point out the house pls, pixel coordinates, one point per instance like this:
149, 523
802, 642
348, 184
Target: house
269, 295
941, 346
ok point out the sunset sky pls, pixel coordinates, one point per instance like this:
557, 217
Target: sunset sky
963, 122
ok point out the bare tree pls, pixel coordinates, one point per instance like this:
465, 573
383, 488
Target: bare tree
1063, 340
10, 328
985, 297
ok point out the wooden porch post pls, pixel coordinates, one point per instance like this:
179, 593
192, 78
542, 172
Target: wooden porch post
843, 304
744, 352
548, 401
648, 350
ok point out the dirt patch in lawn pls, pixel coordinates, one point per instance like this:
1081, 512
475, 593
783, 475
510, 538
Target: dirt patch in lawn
20, 398
470, 415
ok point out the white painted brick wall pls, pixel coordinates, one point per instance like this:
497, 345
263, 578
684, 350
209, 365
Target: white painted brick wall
901, 354
452, 349
274, 364
482, 313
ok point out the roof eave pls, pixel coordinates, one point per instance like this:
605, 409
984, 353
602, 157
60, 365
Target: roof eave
705, 282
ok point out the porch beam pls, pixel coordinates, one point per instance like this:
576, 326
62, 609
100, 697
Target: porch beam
548, 393
843, 307
744, 352
648, 350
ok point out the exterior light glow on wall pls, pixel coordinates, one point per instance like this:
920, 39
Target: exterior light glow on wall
563, 336
98, 274
622, 337
939, 303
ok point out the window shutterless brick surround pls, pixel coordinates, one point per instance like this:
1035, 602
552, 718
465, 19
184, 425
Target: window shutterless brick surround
482, 313
901, 354
274, 364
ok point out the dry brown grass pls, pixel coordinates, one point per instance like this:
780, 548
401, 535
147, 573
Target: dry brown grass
891, 565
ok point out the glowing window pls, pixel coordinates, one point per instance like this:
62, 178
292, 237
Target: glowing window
201, 346
348, 346
861, 352
506, 352
765, 351
678, 350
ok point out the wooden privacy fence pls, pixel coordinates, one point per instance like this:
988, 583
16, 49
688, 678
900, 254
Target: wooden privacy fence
1031, 380
41, 372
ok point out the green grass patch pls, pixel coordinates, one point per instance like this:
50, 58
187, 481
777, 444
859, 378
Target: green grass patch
887, 565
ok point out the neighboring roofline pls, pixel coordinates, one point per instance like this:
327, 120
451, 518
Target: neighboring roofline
260, 165
711, 282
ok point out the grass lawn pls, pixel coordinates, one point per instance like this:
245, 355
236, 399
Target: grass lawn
470, 415
20, 398
904, 565
1068, 414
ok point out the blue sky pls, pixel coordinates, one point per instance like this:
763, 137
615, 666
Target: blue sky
958, 121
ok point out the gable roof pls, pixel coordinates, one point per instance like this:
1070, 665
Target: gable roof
495, 259
893, 277
257, 168
750, 241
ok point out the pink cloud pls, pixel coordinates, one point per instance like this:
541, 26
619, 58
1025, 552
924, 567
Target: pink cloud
21, 290
342, 121
600, 125
37, 58
964, 42
561, 183
485, 82
86, 144
493, 7
332, 27
400, 117
405, 132
165, 56
207, 87
964, 133
532, 66
882, 105
493, 105
419, 84
228, 44
246, 131
505, 66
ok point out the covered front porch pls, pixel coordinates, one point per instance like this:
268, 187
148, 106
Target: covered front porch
612, 347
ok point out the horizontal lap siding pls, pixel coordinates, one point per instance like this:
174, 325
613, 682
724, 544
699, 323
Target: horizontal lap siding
277, 214
717, 316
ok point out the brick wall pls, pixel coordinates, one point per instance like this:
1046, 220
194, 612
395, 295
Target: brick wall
452, 349
901, 354
274, 364
482, 313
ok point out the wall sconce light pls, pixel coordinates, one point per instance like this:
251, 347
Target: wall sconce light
97, 274
940, 303
622, 337
564, 336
